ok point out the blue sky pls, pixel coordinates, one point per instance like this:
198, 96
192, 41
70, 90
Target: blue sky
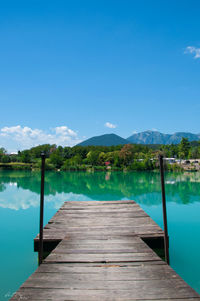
68, 68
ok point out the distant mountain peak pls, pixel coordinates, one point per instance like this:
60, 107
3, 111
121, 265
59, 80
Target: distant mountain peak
104, 140
146, 137
155, 137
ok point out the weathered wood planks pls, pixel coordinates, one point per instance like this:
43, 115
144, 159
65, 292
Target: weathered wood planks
101, 255
96, 217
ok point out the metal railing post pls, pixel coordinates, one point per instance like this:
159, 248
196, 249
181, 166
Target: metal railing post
41, 208
166, 237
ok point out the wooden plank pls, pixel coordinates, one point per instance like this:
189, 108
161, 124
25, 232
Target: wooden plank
101, 240
93, 203
59, 281
102, 256
102, 204
83, 228
112, 273
107, 213
100, 221
136, 293
140, 270
109, 257
114, 248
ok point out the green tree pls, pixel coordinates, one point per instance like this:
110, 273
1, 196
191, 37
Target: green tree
2, 152
194, 153
5, 159
117, 161
92, 157
76, 160
126, 154
36, 151
110, 157
184, 148
56, 160
102, 158
25, 156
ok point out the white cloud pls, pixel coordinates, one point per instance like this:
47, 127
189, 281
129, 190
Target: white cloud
193, 50
18, 138
64, 130
25, 199
110, 125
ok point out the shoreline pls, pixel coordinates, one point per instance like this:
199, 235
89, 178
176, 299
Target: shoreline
29, 166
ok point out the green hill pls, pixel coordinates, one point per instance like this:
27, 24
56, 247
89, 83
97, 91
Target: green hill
105, 140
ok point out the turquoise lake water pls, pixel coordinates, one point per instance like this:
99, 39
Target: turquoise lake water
19, 214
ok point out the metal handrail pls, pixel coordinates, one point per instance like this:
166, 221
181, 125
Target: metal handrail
41, 208
166, 237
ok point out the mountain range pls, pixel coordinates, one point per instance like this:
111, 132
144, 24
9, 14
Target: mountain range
155, 137
147, 137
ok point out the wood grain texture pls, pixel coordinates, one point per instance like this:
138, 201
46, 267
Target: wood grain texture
101, 256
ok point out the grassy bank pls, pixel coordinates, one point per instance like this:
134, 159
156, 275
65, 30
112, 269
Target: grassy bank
16, 166
136, 166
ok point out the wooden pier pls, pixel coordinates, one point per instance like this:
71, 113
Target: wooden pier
102, 253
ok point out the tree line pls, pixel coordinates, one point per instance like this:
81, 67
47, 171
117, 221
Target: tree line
129, 156
105, 186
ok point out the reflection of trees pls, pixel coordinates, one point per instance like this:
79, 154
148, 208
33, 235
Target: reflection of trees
2, 187
179, 187
185, 196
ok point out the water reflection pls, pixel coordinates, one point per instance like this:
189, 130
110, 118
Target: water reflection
20, 190
63, 186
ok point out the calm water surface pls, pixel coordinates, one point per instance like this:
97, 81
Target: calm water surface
19, 212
